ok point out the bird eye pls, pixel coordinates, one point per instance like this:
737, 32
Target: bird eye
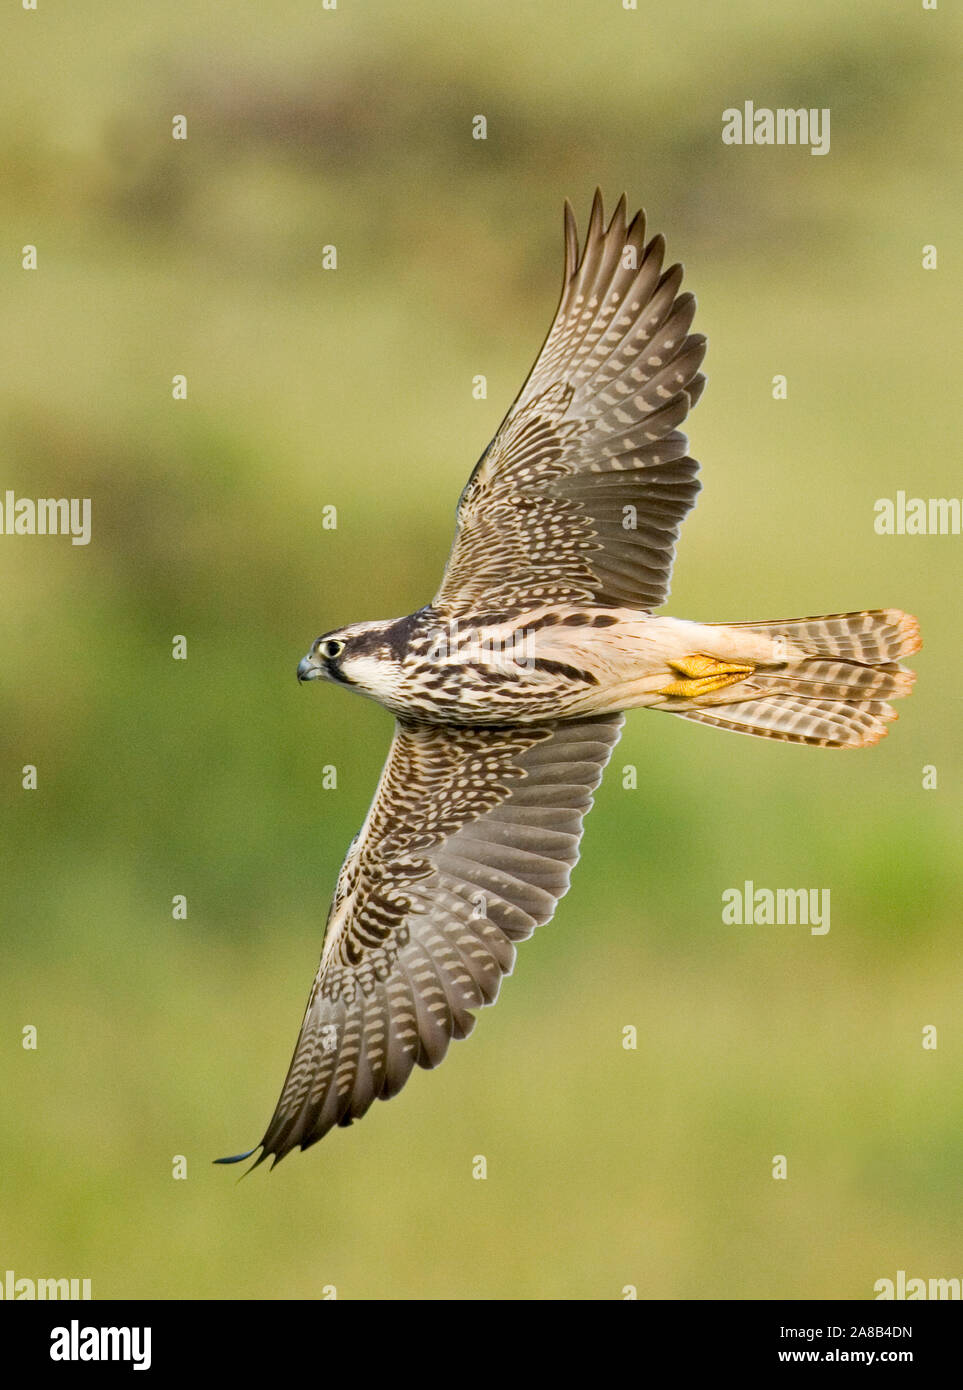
331, 649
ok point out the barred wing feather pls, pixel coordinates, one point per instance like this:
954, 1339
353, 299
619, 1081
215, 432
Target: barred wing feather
580, 495
468, 846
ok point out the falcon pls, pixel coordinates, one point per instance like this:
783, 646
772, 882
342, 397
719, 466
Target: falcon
509, 687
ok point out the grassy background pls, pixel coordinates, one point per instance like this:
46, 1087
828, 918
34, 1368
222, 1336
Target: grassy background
310, 388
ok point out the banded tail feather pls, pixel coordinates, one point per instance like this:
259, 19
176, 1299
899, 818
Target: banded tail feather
828, 684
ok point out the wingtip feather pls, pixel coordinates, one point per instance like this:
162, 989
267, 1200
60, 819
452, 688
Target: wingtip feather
571, 242
237, 1158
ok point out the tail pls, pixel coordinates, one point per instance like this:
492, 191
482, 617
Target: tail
823, 681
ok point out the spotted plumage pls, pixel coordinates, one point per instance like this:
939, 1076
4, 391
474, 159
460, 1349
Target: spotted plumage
508, 688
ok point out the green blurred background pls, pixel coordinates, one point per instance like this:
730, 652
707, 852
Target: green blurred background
352, 388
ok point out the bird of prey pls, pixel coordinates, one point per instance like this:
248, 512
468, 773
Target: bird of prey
509, 687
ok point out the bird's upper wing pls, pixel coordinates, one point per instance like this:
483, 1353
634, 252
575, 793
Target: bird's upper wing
467, 847
581, 493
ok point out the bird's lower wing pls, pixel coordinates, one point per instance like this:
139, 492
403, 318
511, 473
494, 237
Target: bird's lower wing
468, 846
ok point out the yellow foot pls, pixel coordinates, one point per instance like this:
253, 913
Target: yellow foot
702, 675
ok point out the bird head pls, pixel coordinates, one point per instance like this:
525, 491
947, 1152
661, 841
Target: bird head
361, 655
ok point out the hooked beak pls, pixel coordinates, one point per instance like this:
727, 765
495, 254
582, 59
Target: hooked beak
309, 669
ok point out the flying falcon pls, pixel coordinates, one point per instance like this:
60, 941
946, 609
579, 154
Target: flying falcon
508, 688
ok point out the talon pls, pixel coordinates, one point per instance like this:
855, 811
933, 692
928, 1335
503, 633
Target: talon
702, 675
